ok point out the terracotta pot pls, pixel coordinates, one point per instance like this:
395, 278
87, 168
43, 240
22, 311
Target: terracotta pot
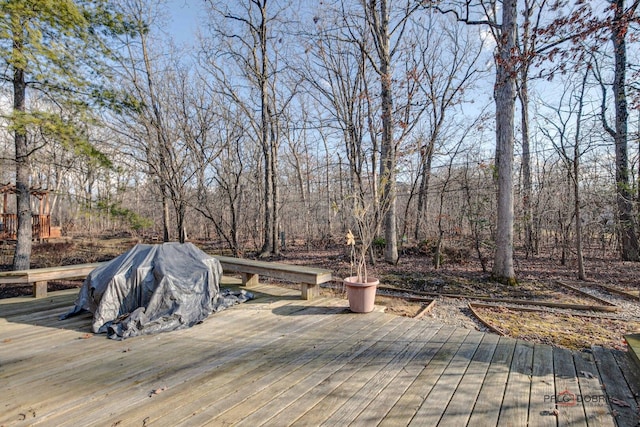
362, 296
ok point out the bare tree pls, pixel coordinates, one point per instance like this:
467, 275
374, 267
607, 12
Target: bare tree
528, 46
614, 25
221, 183
335, 73
622, 16
448, 69
479, 206
201, 124
569, 117
151, 79
506, 61
443, 191
248, 38
387, 23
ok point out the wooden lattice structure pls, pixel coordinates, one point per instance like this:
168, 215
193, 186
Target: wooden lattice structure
41, 221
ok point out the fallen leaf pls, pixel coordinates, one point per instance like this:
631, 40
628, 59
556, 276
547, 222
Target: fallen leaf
587, 374
619, 402
85, 337
158, 391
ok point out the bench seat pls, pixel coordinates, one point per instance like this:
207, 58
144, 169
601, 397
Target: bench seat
309, 277
39, 277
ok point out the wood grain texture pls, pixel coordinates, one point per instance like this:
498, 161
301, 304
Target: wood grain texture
280, 360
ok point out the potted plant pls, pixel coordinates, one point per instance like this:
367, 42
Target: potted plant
369, 208
361, 289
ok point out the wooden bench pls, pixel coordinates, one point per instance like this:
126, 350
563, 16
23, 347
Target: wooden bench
250, 270
39, 277
309, 277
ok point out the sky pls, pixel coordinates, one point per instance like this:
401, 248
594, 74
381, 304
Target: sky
184, 15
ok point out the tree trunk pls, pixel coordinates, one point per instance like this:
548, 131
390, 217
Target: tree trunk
181, 212
437, 255
576, 206
423, 196
505, 91
330, 212
234, 229
267, 141
388, 149
165, 216
564, 236
275, 194
474, 224
576, 183
626, 220
526, 166
22, 255
158, 144
268, 242
523, 93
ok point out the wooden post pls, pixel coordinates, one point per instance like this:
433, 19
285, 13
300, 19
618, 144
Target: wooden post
39, 289
3, 218
310, 291
249, 279
47, 204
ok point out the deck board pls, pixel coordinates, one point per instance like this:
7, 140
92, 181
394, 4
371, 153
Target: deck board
280, 360
630, 369
190, 363
541, 404
439, 396
570, 411
268, 404
405, 354
379, 408
337, 387
410, 402
269, 388
307, 393
591, 394
486, 410
514, 410
459, 410
621, 398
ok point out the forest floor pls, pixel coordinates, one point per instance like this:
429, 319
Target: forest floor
548, 305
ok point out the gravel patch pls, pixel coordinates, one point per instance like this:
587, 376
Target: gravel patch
454, 312
629, 309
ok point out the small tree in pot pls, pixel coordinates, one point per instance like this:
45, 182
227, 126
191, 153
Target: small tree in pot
361, 289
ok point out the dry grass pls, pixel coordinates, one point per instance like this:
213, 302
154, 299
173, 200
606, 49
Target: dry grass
561, 329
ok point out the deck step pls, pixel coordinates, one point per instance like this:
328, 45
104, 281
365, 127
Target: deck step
633, 343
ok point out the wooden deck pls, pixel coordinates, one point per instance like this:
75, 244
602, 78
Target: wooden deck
280, 360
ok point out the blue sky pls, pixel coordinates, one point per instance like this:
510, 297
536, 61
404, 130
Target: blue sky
183, 19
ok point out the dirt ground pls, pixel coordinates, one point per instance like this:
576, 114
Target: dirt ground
541, 308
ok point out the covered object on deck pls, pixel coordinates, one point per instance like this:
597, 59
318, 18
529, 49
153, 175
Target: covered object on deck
153, 288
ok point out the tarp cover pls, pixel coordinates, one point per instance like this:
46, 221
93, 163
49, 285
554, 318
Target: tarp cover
154, 288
